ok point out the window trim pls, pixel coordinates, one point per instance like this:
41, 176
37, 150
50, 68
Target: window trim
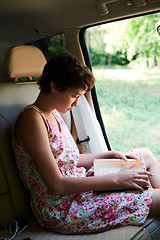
93, 91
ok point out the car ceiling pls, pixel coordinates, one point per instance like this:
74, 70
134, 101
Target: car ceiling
22, 21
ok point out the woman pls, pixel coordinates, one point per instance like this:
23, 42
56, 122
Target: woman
62, 191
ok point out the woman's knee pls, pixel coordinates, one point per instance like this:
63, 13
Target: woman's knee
146, 152
148, 157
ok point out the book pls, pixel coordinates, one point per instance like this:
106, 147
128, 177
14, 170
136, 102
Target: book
106, 166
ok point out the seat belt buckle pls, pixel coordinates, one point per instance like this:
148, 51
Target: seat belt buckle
84, 142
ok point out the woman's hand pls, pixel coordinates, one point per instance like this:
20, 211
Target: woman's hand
123, 155
131, 179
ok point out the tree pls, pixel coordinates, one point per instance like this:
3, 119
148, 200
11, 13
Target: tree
96, 45
125, 41
143, 39
116, 40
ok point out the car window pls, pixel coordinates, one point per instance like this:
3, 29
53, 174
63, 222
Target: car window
51, 46
126, 63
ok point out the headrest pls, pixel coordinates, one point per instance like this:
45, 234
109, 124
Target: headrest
23, 61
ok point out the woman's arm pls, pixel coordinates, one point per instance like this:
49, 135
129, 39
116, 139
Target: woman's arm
35, 138
86, 160
124, 179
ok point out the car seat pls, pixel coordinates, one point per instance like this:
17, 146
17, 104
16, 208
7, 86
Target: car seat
21, 63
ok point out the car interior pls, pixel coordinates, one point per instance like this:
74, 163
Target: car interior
25, 26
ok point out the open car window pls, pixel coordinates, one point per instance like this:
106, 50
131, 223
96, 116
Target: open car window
125, 58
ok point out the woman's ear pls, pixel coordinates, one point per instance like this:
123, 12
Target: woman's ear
52, 87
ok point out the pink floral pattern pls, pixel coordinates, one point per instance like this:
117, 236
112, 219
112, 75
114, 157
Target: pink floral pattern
77, 213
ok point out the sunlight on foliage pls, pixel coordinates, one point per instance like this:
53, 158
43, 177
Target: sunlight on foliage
133, 41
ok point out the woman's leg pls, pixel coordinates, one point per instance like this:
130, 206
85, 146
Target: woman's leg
153, 166
155, 206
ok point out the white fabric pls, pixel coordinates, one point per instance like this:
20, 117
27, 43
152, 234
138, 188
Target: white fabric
88, 125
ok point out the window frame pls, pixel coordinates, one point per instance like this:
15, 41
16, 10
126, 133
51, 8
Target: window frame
88, 63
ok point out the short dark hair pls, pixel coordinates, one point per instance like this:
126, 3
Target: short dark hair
66, 72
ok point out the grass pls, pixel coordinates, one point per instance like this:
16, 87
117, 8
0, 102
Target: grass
130, 105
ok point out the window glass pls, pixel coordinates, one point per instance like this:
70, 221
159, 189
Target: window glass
126, 63
51, 46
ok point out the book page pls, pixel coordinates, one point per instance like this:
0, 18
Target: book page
106, 166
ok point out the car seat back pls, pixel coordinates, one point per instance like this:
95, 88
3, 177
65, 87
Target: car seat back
20, 62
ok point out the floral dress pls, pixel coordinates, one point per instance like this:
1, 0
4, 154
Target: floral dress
77, 213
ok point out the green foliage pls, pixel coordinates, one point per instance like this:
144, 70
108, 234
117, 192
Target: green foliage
96, 45
120, 58
132, 40
144, 40
51, 46
56, 45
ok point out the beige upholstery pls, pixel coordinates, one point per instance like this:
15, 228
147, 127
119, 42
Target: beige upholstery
23, 61
13, 97
120, 233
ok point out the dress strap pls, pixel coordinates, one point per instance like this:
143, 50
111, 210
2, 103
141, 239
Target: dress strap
38, 110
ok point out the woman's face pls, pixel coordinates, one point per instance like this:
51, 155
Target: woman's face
66, 100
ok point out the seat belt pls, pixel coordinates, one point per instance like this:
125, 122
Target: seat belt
88, 128
82, 139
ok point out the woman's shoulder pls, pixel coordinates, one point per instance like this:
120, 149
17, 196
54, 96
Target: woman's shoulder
30, 112
29, 122
28, 117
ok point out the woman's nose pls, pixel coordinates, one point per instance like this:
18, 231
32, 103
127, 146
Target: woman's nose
75, 103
